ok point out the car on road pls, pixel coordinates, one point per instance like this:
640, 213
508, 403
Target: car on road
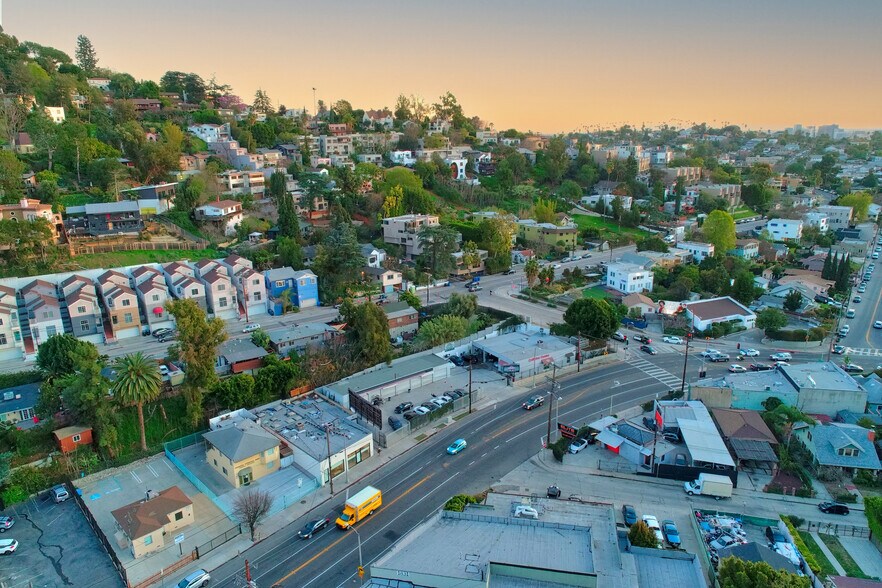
475, 288
251, 327
844, 329
619, 336
652, 523
508, 272
750, 352
555, 266
313, 527
168, 337
629, 514
781, 356
781, 364
642, 339
673, 339
533, 402
648, 349
759, 367
456, 446
586, 256
852, 368
578, 445
672, 535
197, 579
833, 508
553, 491
850, 313
403, 407
161, 332
838, 349
736, 368
6, 523
877, 325
708, 352
719, 358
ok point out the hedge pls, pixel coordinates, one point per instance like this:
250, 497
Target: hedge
801, 546
814, 334
873, 512
20, 378
458, 503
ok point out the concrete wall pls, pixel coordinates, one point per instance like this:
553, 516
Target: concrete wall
830, 402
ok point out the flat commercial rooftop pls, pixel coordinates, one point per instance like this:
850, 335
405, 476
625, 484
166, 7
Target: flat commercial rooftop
517, 347
825, 375
756, 381
388, 374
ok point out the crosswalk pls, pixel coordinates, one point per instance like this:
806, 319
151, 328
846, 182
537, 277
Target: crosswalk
650, 369
863, 351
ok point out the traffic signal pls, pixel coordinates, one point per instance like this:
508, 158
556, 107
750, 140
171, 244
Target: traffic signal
360, 571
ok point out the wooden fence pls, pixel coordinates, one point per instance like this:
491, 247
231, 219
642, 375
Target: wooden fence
188, 557
82, 248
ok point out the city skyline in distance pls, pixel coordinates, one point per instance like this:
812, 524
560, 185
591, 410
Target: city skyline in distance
568, 67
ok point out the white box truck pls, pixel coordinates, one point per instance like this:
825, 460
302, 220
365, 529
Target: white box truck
710, 485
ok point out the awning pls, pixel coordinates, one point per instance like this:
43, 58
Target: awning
157, 310
610, 439
704, 442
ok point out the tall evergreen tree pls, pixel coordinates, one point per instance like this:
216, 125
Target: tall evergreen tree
828, 265
843, 274
834, 267
87, 59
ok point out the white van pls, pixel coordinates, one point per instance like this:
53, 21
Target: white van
60, 493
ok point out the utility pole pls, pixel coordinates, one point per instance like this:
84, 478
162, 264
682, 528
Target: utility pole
330, 473
428, 279
551, 402
685, 359
578, 352
470, 387
314, 107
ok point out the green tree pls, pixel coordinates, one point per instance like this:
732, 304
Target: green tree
260, 338
262, 103
592, 317
759, 197
86, 56
462, 305
544, 211
652, 243
771, 319
411, 298
198, 340
368, 332
827, 270
339, 261
289, 252
470, 256
289, 223
570, 190
11, 170
640, 535
438, 243
496, 237
441, 329
739, 573
793, 301
555, 160
61, 355
137, 382
531, 271
859, 202
760, 173
743, 288
843, 275
719, 229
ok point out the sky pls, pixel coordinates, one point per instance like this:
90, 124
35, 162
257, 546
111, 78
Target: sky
543, 65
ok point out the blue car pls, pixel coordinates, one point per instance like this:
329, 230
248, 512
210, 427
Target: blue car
672, 535
456, 446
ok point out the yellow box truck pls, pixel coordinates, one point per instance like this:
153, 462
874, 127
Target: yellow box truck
362, 504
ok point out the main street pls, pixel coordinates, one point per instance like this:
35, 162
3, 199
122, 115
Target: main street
418, 482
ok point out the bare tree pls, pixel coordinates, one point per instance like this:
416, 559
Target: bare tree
251, 507
12, 118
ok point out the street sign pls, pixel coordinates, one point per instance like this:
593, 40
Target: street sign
179, 538
567, 431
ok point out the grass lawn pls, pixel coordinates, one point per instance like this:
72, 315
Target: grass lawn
845, 560
595, 292
812, 545
124, 258
743, 212
602, 224
159, 429
180, 218
78, 199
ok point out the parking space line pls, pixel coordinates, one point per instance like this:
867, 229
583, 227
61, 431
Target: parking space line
152, 471
134, 475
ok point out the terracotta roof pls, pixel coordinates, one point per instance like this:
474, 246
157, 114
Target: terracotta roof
637, 298
743, 424
143, 517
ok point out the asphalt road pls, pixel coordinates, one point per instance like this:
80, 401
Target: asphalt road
416, 484
869, 310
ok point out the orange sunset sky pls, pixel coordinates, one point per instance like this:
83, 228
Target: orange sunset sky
549, 66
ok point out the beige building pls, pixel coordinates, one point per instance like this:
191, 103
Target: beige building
242, 452
405, 230
121, 303
149, 523
235, 182
731, 193
30, 210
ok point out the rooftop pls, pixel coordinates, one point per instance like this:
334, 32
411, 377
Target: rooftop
301, 331
714, 308
517, 347
754, 552
236, 350
143, 517
240, 439
743, 424
24, 396
830, 438
387, 374
398, 309
826, 375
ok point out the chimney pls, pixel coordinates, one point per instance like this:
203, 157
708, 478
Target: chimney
871, 435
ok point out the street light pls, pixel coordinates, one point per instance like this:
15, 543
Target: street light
360, 562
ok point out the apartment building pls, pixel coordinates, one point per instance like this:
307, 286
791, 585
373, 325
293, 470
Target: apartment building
211, 133
405, 230
690, 175
335, 145
219, 291
300, 288
378, 118
29, 210
182, 283
121, 304
236, 182
81, 298
818, 220
44, 311
699, 251
153, 294
628, 277
104, 219
487, 137
731, 193
563, 237
249, 284
838, 217
11, 343
783, 229
55, 114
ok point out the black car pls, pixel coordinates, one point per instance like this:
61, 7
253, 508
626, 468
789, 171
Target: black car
403, 407
629, 514
775, 536
394, 423
642, 339
833, 508
759, 367
648, 349
456, 360
429, 406
409, 415
313, 527
161, 332
508, 272
553, 492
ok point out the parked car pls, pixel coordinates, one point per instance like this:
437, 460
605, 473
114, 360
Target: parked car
648, 349
553, 491
673, 339
629, 514
650, 424
251, 327
526, 512
652, 523
421, 410
313, 527
750, 352
578, 445
60, 493
456, 360
619, 336
533, 402
759, 367
737, 368
723, 542
672, 535
6, 523
672, 436
555, 266
168, 337
775, 536
8, 546
394, 423
833, 508
877, 325
456, 446
403, 407
508, 272
642, 339
852, 368
197, 579
409, 414
439, 401
160, 332
430, 406
781, 356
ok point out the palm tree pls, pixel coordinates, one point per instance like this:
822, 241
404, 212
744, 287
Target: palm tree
137, 382
531, 270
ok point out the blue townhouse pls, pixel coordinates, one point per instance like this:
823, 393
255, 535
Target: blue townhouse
302, 284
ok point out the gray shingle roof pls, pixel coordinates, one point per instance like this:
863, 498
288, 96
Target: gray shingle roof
754, 552
829, 438
29, 394
243, 440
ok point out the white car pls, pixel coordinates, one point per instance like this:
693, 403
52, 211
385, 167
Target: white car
8, 546
737, 369
877, 325
750, 352
781, 356
652, 523
673, 339
578, 445
421, 410
710, 352
555, 266
250, 328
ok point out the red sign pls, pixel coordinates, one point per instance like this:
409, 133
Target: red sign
567, 431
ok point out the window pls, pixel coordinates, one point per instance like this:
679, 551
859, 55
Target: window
126, 302
81, 310
222, 302
269, 452
221, 287
179, 515
215, 461
280, 283
51, 331
2, 339
257, 296
156, 298
127, 318
148, 539
84, 325
270, 464
848, 451
194, 292
76, 438
224, 469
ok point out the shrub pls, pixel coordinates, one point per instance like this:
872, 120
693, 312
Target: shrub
458, 503
846, 497
800, 544
13, 495
873, 512
640, 535
19, 378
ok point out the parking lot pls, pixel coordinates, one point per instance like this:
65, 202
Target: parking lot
56, 547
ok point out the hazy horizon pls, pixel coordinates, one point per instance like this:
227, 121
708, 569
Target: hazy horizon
547, 68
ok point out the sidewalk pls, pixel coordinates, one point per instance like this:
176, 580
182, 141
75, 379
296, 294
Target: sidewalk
826, 551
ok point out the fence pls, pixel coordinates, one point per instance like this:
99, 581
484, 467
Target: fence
218, 541
102, 538
835, 529
166, 571
616, 466
188, 441
82, 248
